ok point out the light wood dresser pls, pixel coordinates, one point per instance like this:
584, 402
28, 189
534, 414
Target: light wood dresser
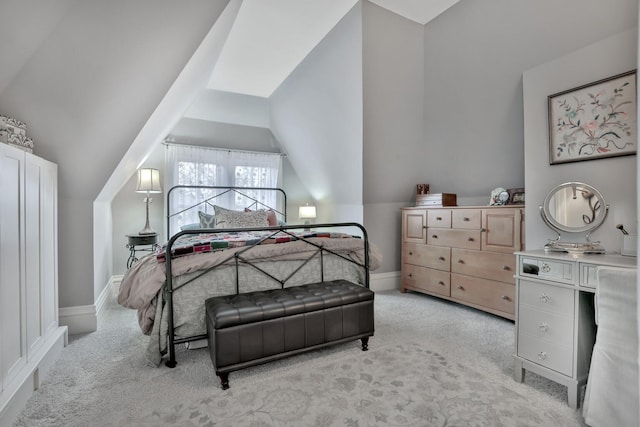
463, 254
555, 318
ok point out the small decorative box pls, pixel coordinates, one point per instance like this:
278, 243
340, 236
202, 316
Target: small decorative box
13, 125
438, 199
14, 132
23, 142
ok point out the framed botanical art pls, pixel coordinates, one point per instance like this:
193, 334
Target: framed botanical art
594, 121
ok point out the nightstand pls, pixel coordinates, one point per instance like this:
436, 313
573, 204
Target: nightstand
140, 243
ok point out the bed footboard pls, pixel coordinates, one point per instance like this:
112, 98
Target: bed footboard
240, 260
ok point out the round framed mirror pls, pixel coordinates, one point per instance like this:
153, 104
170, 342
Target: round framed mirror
574, 207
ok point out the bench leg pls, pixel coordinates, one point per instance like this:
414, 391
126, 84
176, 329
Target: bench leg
365, 343
224, 380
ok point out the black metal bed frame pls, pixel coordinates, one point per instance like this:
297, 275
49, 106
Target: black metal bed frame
238, 259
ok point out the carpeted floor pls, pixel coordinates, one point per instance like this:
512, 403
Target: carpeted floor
430, 363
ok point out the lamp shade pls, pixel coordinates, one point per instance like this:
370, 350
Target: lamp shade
307, 212
148, 181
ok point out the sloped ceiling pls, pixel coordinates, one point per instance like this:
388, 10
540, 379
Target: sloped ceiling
271, 37
267, 42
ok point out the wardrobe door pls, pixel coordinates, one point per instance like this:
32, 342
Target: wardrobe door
12, 251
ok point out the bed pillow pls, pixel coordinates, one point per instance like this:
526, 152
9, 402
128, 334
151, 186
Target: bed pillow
272, 219
207, 220
193, 226
226, 218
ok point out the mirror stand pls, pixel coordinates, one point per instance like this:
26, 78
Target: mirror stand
574, 207
576, 248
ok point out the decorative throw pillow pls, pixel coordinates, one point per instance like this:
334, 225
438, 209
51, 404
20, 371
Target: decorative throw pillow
226, 218
207, 220
272, 219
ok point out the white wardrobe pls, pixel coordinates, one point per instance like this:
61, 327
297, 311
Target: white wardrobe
30, 337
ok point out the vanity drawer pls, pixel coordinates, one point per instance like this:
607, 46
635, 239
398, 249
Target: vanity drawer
426, 279
487, 293
546, 297
488, 265
548, 269
437, 257
556, 328
548, 354
467, 239
588, 276
467, 219
439, 218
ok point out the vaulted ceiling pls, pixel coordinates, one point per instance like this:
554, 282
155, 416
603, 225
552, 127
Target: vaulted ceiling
270, 38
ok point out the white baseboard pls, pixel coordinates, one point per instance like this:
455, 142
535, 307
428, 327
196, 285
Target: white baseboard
385, 281
14, 397
82, 319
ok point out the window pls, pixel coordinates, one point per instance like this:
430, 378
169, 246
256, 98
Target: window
191, 165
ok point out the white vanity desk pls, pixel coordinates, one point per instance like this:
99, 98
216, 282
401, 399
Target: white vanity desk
555, 319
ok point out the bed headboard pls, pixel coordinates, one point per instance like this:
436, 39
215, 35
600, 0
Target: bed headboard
194, 198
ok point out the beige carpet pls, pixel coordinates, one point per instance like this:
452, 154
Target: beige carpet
431, 363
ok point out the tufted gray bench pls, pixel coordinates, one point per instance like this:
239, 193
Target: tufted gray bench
257, 327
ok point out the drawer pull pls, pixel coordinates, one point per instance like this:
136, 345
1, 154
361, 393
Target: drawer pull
482, 230
410, 275
466, 219
543, 327
542, 355
505, 297
544, 298
441, 283
469, 239
504, 267
435, 236
410, 253
545, 267
442, 258
460, 261
438, 218
460, 287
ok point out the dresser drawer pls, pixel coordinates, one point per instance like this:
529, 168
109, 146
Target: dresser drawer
426, 279
487, 293
546, 297
437, 257
488, 265
467, 219
547, 354
439, 218
557, 271
468, 239
549, 326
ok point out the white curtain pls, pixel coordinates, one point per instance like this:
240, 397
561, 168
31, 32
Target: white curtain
192, 165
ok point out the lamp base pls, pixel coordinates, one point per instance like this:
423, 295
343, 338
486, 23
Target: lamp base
147, 230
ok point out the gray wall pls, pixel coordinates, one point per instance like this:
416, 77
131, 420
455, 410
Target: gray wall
316, 115
474, 56
86, 92
393, 80
615, 178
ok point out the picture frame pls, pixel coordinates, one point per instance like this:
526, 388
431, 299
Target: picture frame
516, 196
594, 121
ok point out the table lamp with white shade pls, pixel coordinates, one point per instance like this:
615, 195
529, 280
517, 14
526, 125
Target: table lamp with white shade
148, 182
307, 213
